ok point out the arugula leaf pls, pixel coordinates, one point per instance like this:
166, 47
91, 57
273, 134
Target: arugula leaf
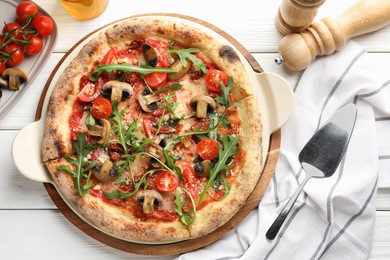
226, 151
175, 86
187, 218
120, 194
142, 69
171, 161
185, 54
83, 167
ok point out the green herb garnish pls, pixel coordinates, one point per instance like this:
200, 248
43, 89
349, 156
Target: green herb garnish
185, 54
187, 218
226, 151
142, 69
83, 166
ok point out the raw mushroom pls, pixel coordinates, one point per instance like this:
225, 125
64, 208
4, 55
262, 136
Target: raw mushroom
105, 172
118, 90
15, 77
202, 104
149, 199
158, 152
3, 83
179, 68
150, 55
147, 101
101, 131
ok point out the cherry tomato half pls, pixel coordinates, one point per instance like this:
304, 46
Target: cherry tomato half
156, 79
167, 181
89, 92
17, 54
207, 149
213, 79
44, 25
35, 46
101, 108
26, 9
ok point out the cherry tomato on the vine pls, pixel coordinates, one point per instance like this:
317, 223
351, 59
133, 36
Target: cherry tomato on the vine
101, 108
167, 181
17, 54
207, 149
35, 46
26, 9
214, 78
14, 29
44, 25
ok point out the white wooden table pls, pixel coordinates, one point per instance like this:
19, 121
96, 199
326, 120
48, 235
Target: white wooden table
30, 224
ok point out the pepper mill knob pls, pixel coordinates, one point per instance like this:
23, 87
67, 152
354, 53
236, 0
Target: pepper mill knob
295, 16
330, 34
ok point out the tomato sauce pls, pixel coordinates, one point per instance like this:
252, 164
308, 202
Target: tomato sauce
136, 210
75, 119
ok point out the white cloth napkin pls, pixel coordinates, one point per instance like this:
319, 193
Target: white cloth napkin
334, 217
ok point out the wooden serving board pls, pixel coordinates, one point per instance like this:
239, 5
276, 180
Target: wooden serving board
187, 245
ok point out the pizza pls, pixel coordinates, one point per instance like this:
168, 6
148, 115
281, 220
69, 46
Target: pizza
153, 133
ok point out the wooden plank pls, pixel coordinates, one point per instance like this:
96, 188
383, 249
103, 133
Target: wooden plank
48, 233
253, 27
16, 191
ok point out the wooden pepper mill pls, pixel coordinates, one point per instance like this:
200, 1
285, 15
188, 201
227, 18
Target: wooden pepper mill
330, 34
295, 16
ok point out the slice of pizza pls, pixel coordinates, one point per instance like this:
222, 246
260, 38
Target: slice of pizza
153, 133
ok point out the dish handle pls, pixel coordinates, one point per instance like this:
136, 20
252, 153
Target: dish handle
276, 97
26, 153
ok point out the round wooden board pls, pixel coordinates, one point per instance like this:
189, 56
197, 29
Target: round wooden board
187, 245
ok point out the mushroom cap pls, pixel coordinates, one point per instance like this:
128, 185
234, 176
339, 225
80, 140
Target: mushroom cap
15, 77
202, 98
202, 104
116, 89
148, 199
146, 100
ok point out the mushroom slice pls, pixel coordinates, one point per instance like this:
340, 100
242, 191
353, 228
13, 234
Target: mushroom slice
179, 68
105, 172
150, 55
15, 77
118, 90
158, 152
101, 131
202, 104
149, 199
202, 169
147, 101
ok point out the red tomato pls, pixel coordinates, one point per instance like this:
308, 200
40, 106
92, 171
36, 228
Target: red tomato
35, 46
167, 181
207, 149
110, 56
156, 79
44, 25
14, 28
17, 54
26, 9
149, 129
89, 92
101, 108
213, 79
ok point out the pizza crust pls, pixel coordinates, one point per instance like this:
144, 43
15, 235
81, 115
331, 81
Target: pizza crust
56, 139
